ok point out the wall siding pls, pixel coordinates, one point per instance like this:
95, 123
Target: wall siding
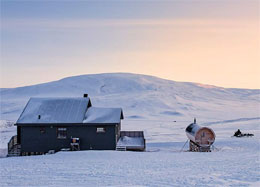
32, 140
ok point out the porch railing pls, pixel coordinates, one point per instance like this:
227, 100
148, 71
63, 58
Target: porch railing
12, 143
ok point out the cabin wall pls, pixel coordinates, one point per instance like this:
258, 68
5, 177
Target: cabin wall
33, 139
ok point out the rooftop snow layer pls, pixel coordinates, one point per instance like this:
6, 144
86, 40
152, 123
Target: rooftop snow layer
131, 141
54, 110
103, 115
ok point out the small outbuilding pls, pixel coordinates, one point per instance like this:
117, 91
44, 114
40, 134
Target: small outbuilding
56, 123
201, 138
131, 141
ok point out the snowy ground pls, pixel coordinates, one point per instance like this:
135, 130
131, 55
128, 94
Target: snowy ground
160, 108
234, 162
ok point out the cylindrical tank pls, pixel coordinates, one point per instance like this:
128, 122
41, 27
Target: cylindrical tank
202, 136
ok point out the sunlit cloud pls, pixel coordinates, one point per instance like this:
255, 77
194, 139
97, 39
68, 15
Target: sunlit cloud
88, 23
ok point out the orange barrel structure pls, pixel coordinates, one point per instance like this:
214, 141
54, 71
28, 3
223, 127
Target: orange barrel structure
201, 138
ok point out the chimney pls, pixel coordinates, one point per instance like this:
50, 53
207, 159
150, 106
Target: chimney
85, 95
39, 116
194, 120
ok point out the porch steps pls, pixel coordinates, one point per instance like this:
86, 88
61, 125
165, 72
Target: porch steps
15, 151
121, 148
14, 148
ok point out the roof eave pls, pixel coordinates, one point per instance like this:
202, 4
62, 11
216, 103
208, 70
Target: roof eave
64, 124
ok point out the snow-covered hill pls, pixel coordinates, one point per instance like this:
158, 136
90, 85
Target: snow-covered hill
142, 97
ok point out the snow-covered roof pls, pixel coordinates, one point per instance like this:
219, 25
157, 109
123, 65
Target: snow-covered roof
103, 115
131, 141
55, 110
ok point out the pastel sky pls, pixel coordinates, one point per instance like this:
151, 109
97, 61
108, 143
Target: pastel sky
213, 42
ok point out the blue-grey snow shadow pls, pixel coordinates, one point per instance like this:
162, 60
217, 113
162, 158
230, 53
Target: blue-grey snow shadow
3, 153
166, 146
171, 113
135, 117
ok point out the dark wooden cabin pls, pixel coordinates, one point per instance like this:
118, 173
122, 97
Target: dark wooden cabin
50, 124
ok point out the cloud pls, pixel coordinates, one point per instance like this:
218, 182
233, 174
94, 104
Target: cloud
52, 24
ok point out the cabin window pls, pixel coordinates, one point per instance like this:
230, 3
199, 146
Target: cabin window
62, 133
42, 130
101, 130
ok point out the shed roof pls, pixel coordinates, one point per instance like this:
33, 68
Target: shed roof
103, 115
131, 141
54, 110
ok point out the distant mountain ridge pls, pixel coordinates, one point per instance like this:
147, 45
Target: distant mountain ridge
141, 95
